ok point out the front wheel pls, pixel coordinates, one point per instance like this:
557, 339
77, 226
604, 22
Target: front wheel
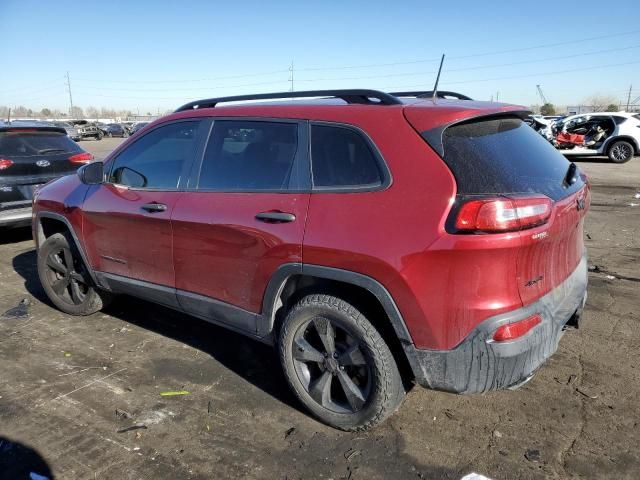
620, 151
65, 279
338, 365
99, 136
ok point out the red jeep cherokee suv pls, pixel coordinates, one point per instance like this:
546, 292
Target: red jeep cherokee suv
377, 239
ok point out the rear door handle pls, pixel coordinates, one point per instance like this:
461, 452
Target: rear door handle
275, 217
154, 207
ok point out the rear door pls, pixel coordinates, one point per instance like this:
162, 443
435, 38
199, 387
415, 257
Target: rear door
127, 220
502, 156
244, 218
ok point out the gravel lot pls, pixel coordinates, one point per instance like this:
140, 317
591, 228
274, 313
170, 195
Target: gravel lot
83, 396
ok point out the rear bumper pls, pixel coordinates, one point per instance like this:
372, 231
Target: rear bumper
479, 364
15, 213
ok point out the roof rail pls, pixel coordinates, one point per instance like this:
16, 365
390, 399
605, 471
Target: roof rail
429, 94
358, 96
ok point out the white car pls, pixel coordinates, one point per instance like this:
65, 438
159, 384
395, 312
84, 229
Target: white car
614, 134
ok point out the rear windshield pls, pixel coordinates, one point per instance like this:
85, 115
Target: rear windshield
28, 143
504, 156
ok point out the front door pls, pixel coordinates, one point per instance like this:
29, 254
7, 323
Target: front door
244, 219
127, 222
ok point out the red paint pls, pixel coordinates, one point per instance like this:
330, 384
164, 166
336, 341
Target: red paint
223, 251
123, 239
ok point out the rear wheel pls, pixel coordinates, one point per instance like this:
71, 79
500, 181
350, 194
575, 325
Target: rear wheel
338, 365
65, 279
620, 151
99, 136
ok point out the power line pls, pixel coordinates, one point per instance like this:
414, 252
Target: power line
485, 54
191, 89
228, 77
481, 67
529, 75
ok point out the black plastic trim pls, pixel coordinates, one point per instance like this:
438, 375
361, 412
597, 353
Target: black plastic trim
284, 272
429, 94
39, 237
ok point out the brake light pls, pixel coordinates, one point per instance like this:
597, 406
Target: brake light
514, 330
4, 163
503, 214
85, 157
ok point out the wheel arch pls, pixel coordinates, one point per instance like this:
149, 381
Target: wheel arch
625, 138
293, 281
49, 223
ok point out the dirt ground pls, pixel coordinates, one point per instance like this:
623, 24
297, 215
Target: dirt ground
80, 398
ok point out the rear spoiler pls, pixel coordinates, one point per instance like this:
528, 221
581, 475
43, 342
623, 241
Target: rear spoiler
32, 128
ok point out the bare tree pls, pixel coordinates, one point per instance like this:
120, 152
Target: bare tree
600, 103
77, 112
92, 112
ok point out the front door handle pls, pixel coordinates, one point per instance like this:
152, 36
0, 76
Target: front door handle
154, 207
275, 217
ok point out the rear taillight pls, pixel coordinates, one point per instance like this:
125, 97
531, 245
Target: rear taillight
85, 157
4, 163
514, 330
493, 215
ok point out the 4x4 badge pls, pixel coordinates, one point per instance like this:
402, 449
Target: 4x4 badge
580, 204
43, 163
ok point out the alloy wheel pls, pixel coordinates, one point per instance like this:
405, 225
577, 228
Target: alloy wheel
65, 281
332, 366
621, 152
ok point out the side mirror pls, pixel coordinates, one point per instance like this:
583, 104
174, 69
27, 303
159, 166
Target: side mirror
92, 173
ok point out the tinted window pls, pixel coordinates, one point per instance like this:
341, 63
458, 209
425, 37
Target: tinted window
619, 120
249, 155
341, 157
158, 158
21, 143
504, 156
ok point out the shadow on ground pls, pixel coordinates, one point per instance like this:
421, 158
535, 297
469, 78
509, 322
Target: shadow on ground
254, 361
20, 462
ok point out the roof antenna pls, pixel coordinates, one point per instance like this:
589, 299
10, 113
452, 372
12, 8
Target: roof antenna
435, 87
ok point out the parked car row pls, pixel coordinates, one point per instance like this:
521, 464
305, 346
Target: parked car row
30, 156
614, 134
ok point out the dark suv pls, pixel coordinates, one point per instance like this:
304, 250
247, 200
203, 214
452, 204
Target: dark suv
376, 239
30, 156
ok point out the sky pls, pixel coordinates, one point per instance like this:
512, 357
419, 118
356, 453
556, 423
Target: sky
150, 56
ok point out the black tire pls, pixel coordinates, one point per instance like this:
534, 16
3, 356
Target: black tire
99, 136
620, 151
69, 289
361, 361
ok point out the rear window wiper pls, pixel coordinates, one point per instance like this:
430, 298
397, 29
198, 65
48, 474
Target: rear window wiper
570, 178
50, 150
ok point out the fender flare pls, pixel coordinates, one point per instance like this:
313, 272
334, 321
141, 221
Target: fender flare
286, 271
39, 236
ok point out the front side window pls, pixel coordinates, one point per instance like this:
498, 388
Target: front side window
244, 155
157, 160
342, 158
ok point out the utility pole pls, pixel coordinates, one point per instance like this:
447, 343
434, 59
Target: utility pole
497, 97
291, 76
629, 97
70, 97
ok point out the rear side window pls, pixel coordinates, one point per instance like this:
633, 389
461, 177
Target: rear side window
504, 155
244, 155
29, 143
342, 158
158, 159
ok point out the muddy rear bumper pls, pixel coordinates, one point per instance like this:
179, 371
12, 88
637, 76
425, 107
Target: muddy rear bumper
479, 364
